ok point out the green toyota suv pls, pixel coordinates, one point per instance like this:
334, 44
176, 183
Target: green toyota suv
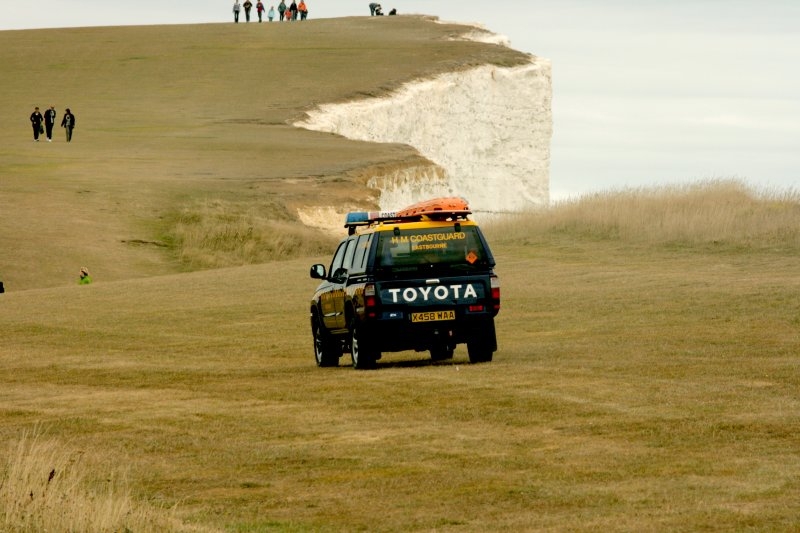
418, 279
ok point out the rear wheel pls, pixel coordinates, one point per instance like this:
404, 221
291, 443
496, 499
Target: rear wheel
326, 349
362, 348
479, 351
482, 345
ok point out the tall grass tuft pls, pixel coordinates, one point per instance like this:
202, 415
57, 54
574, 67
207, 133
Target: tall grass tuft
720, 213
45, 486
217, 233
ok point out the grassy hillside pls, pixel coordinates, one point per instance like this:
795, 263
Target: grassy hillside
646, 377
174, 119
639, 385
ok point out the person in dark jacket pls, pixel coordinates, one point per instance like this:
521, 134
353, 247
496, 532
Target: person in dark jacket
293, 9
281, 10
68, 123
49, 122
36, 122
248, 5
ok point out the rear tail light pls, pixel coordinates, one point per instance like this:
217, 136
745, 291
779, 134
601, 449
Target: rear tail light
495, 284
370, 302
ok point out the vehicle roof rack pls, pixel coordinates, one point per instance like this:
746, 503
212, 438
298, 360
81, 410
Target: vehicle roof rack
436, 209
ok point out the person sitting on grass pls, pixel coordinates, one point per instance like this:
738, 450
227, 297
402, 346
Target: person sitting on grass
85, 279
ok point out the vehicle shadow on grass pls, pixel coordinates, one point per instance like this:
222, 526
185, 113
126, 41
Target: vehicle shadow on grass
410, 363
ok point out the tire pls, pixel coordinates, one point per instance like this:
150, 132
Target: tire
441, 352
361, 348
479, 351
326, 349
482, 345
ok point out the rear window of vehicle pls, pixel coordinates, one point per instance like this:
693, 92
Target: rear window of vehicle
443, 247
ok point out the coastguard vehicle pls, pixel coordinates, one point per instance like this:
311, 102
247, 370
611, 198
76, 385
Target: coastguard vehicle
417, 279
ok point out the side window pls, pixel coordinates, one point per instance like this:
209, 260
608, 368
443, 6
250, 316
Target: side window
348, 254
338, 257
360, 254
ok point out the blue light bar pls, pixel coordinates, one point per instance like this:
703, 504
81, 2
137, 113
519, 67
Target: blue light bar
356, 218
363, 218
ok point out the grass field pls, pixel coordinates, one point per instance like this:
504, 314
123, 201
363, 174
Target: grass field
646, 377
174, 119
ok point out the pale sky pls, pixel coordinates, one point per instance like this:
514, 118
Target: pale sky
646, 92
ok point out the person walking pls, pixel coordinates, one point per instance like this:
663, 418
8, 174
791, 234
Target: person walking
248, 5
271, 13
68, 123
303, 9
49, 122
36, 122
293, 9
236, 8
259, 9
282, 10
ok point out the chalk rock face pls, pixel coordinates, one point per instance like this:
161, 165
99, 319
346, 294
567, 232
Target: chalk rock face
487, 129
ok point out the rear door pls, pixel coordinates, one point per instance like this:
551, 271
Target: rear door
332, 300
335, 317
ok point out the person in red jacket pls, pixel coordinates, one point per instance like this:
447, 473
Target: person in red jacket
302, 9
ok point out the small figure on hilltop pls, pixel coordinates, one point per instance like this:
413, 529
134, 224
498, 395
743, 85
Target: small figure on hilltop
303, 9
85, 279
282, 10
236, 8
68, 123
293, 9
374, 6
49, 122
248, 5
259, 9
271, 13
36, 122
393, 12
287, 15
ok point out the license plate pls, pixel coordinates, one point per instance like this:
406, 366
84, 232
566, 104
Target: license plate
433, 316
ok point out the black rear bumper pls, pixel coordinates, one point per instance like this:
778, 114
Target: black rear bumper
394, 332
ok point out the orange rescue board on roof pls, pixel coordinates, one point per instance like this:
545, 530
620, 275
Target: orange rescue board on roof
454, 206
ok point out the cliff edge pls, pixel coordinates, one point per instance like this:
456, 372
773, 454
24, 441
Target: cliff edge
486, 131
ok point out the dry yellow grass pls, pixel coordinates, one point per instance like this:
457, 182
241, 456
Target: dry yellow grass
48, 487
640, 384
718, 214
637, 387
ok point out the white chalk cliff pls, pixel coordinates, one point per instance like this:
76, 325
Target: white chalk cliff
487, 130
